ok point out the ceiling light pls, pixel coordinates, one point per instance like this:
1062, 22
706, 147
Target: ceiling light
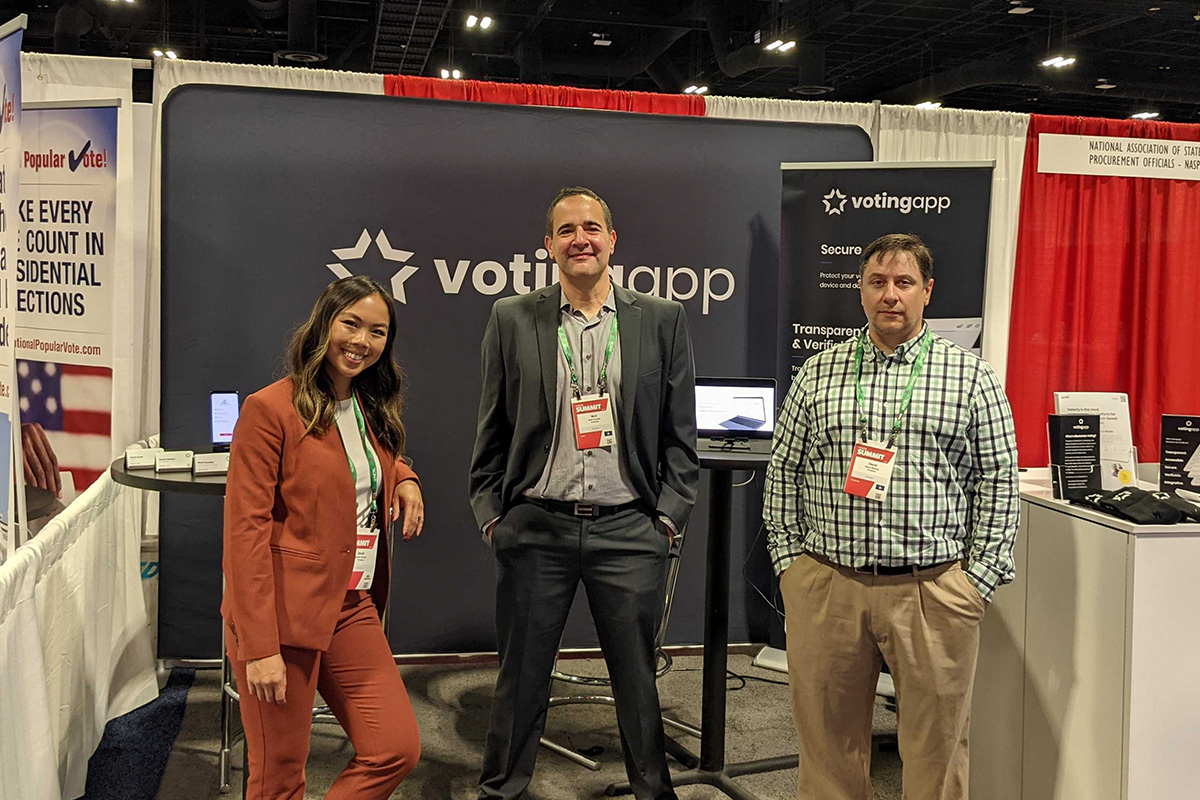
601, 39
157, 53
1058, 62
456, 74
775, 45
1105, 83
691, 89
702, 90
929, 104
472, 21
172, 54
485, 23
445, 74
1144, 115
1017, 8
1152, 9
783, 48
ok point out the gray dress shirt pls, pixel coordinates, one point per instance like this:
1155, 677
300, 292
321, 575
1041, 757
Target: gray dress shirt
599, 475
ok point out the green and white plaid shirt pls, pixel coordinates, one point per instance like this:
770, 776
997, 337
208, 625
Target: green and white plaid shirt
953, 492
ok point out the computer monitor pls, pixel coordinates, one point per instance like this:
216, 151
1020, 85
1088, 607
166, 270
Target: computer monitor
741, 408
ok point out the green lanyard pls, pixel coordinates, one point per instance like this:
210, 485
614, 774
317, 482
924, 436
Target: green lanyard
905, 399
362, 431
608, 351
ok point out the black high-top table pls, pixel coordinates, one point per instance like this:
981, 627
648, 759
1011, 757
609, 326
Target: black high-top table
713, 771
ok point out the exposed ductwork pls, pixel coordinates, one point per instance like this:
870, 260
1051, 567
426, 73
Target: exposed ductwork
267, 9
71, 22
534, 63
302, 34
732, 62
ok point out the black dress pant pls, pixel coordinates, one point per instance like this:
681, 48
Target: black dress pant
541, 556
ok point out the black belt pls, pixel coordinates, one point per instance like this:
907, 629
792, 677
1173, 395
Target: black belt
581, 509
907, 569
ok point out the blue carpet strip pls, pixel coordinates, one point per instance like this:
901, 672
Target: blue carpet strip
132, 756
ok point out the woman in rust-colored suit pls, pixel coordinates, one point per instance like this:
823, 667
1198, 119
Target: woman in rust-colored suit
315, 475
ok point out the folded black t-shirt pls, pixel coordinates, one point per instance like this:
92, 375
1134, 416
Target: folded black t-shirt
1186, 507
1140, 506
1092, 500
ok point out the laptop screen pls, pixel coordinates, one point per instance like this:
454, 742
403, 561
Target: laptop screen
735, 407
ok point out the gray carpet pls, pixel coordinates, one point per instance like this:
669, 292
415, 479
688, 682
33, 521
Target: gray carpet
452, 704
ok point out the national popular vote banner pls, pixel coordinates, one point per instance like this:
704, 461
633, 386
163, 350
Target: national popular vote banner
10, 165
64, 283
831, 212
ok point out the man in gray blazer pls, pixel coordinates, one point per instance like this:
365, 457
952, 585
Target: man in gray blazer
585, 469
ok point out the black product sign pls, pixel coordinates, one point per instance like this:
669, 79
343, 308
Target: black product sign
830, 213
1179, 453
1074, 454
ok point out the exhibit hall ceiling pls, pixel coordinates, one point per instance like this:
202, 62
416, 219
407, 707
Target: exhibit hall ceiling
1109, 58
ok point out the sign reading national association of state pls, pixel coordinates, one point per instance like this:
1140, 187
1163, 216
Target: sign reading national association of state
1118, 156
64, 269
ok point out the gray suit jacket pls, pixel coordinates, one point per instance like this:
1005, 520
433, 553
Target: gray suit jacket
517, 401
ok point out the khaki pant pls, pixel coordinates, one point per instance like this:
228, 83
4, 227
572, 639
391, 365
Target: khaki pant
841, 626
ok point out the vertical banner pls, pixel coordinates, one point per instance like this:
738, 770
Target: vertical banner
64, 298
11, 34
831, 212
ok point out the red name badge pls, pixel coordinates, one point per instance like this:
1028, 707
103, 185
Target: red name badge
366, 545
870, 470
593, 420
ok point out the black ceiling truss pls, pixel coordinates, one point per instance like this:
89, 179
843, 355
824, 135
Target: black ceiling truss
963, 53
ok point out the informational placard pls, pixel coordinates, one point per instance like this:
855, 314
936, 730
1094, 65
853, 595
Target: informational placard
1117, 454
831, 212
64, 284
1074, 454
1119, 156
1179, 453
10, 172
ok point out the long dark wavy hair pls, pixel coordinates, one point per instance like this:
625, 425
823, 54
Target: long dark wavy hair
378, 387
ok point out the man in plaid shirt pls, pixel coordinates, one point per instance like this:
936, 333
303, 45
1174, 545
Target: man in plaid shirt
893, 557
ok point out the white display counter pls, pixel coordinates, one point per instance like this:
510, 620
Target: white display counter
1089, 667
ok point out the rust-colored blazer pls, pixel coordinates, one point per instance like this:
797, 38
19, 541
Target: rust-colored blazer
290, 528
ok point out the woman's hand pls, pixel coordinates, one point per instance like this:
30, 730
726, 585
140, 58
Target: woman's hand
408, 499
267, 678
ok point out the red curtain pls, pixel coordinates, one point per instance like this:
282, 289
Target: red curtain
527, 94
1106, 293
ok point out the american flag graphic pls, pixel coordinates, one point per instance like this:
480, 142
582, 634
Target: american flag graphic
73, 404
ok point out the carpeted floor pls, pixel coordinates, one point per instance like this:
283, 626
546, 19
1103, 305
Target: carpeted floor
132, 756
452, 705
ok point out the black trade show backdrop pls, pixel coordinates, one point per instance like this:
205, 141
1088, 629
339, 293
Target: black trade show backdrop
832, 212
268, 195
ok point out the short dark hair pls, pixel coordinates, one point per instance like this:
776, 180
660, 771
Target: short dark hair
900, 243
575, 191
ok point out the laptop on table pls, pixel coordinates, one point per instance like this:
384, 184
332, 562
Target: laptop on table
735, 414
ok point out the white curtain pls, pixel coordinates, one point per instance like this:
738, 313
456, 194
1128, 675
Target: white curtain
28, 752
54, 77
907, 133
170, 74
74, 649
864, 115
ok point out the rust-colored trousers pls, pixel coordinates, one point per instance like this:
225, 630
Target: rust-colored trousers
358, 679
841, 625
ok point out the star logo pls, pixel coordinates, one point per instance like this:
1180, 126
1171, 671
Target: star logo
834, 202
386, 250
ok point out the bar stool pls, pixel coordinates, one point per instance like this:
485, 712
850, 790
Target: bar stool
663, 664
